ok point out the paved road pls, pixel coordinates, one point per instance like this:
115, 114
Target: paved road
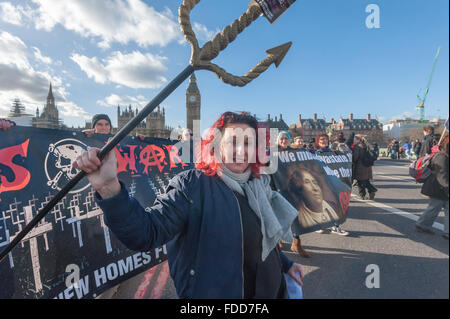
382, 233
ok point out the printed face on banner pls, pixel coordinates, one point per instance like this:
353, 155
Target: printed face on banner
308, 187
313, 188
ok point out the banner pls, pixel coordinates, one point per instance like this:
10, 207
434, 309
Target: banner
72, 240
273, 9
317, 185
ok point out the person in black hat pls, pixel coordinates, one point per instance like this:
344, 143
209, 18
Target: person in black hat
101, 124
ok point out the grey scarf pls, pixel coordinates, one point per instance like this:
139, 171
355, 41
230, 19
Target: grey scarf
274, 211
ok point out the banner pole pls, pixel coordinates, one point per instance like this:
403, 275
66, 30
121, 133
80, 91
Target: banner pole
103, 152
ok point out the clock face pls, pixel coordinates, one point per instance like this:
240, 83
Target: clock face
192, 98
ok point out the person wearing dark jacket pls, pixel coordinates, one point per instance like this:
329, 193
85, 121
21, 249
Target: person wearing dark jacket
221, 221
417, 148
436, 187
361, 173
428, 141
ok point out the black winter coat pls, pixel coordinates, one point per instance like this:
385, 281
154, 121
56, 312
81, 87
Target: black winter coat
436, 186
427, 145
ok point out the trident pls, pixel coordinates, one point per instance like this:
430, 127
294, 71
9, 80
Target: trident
200, 60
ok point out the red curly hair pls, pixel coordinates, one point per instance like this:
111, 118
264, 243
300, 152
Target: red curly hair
318, 137
209, 163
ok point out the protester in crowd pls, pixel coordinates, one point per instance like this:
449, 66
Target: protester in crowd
284, 143
436, 187
214, 219
311, 143
6, 124
361, 173
322, 146
428, 141
395, 149
298, 142
376, 149
407, 149
101, 124
417, 148
341, 144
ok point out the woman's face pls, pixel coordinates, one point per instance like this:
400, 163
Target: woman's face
299, 142
323, 142
311, 192
238, 147
284, 141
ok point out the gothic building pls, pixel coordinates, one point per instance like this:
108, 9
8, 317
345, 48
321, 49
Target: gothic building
153, 126
49, 118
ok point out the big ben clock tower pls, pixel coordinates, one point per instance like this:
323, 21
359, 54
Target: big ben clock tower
193, 101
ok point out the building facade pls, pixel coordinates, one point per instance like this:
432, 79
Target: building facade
369, 127
279, 124
49, 118
309, 128
153, 126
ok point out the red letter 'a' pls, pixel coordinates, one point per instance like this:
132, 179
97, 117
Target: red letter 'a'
21, 175
152, 155
173, 155
125, 160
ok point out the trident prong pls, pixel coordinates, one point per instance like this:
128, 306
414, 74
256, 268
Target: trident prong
201, 57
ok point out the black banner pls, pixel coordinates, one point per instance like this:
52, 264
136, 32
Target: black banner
273, 9
318, 185
72, 241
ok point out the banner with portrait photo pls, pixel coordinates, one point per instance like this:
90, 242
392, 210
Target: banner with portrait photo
72, 240
316, 185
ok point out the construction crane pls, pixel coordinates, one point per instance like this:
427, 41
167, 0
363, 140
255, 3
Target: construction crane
421, 106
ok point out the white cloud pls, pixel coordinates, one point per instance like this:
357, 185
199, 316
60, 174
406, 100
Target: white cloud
13, 51
38, 55
92, 67
135, 70
12, 14
114, 100
120, 21
202, 32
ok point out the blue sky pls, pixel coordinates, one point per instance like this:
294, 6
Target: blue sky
102, 53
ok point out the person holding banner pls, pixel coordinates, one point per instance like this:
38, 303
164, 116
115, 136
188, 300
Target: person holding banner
322, 146
101, 124
221, 222
284, 143
6, 124
298, 142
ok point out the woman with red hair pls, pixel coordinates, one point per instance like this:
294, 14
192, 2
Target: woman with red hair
221, 221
